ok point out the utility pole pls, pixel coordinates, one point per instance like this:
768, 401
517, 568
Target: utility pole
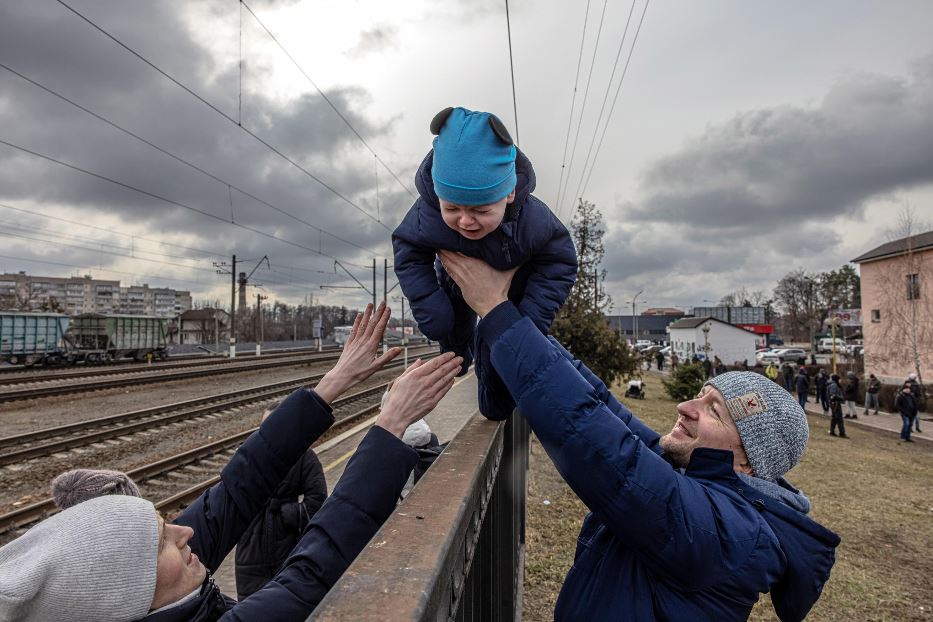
222, 269
374, 284
261, 333
635, 319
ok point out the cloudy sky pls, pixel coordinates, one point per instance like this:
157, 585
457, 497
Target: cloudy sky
144, 140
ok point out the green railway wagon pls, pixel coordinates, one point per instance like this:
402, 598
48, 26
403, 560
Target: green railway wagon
32, 338
97, 337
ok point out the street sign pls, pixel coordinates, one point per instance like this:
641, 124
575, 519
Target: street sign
847, 317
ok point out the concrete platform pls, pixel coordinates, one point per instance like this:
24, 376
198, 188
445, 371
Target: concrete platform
446, 421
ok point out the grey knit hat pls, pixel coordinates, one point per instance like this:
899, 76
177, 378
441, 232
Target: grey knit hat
94, 562
772, 425
73, 487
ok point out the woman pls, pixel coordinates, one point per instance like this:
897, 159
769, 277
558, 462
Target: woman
113, 558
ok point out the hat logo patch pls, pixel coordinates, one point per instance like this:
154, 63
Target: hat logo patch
747, 405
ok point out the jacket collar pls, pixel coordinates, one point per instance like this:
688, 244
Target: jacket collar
707, 463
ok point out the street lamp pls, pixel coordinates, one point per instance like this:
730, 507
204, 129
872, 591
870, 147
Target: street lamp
404, 334
635, 319
706, 347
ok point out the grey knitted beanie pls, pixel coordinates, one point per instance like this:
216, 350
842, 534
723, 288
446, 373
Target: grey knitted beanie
94, 562
72, 487
771, 423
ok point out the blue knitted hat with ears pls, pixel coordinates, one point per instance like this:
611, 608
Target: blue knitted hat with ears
474, 157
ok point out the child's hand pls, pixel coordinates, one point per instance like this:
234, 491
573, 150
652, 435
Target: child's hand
483, 287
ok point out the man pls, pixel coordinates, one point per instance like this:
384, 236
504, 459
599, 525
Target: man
771, 371
803, 386
906, 404
660, 359
789, 377
917, 391
691, 526
851, 394
822, 384
871, 393
836, 398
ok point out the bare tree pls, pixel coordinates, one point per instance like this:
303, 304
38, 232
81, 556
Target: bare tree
906, 327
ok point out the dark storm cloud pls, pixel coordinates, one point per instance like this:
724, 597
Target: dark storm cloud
51, 45
374, 40
871, 135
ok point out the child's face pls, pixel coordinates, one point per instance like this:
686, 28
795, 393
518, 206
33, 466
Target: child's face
475, 222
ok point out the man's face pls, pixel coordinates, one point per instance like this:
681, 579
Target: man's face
178, 570
704, 422
474, 222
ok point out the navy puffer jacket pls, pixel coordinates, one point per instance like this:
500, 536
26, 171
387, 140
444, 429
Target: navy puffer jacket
659, 544
529, 234
363, 499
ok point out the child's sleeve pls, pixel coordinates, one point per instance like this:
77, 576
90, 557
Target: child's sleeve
553, 272
414, 267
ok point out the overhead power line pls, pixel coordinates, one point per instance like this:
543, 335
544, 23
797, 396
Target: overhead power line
573, 100
615, 97
602, 108
586, 92
327, 99
177, 158
165, 199
91, 269
508, 25
226, 116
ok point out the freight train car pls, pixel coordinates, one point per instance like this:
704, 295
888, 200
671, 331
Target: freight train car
95, 337
32, 338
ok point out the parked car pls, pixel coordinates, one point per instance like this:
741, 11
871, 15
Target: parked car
826, 345
783, 355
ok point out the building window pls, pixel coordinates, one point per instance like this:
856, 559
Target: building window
876, 315
913, 286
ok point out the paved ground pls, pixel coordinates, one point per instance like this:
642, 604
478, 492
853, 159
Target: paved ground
881, 421
445, 421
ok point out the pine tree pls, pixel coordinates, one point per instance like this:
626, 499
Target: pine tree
580, 324
685, 382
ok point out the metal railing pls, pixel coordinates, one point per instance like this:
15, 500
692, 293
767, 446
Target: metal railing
454, 548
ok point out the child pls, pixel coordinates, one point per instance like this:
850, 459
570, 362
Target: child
475, 188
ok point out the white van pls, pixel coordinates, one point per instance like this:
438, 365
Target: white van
826, 345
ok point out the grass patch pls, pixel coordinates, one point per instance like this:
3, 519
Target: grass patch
876, 493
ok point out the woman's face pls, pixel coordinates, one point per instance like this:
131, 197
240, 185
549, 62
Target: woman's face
179, 571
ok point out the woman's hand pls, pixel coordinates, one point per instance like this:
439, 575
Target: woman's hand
417, 391
358, 360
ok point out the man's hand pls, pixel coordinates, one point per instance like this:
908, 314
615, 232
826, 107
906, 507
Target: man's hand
417, 391
483, 287
358, 360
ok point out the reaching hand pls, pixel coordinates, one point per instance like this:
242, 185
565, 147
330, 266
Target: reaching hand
483, 287
417, 391
358, 361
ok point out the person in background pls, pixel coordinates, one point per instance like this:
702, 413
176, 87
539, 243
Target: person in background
660, 359
276, 530
836, 398
771, 371
822, 384
851, 394
78, 485
917, 391
790, 381
803, 386
871, 393
675, 360
906, 405
708, 367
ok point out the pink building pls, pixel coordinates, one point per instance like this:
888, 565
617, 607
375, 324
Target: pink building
897, 308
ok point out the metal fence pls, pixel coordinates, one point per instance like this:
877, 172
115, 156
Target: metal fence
454, 548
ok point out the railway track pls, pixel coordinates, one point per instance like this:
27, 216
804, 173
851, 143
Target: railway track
54, 387
22, 447
206, 458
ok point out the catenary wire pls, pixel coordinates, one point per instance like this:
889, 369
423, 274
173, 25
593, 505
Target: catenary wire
616, 96
602, 108
508, 25
586, 92
327, 99
573, 100
229, 118
178, 158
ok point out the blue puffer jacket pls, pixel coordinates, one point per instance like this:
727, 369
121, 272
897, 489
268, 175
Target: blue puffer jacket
658, 544
529, 234
363, 499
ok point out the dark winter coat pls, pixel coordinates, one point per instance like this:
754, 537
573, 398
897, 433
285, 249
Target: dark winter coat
788, 377
659, 544
803, 383
851, 389
906, 405
822, 381
835, 392
874, 385
363, 499
274, 533
530, 234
